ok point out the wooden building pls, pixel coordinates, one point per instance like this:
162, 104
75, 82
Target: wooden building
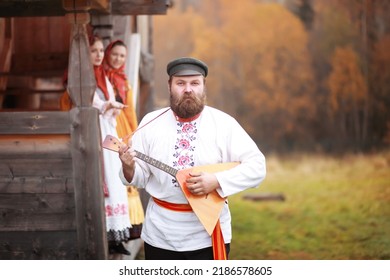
51, 205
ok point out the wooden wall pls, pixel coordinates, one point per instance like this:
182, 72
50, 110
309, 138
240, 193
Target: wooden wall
38, 59
37, 205
40, 45
51, 206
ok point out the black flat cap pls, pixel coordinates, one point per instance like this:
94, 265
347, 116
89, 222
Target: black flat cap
187, 66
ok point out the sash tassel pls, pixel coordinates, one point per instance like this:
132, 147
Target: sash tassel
219, 249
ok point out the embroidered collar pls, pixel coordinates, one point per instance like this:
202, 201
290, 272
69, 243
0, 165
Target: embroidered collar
188, 119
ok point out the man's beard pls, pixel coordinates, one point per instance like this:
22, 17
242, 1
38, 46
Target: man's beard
188, 106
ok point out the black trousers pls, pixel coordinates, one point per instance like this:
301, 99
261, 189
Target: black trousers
154, 253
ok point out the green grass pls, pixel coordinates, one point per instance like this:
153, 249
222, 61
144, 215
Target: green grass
335, 208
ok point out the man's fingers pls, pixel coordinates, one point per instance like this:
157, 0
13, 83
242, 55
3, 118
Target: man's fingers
195, 174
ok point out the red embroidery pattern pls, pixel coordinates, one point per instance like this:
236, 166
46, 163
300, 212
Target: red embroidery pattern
184, 147
116, 210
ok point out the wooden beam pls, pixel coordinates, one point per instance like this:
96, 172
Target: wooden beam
37, 74
34, 123
38, 204
86, 146
37, 8
35, 146
43, 245
31, 62
17, 185
139, 7
31, 167
5, 56
101, 6
24, 91
85, 5
88, 183
23, 221
81, 78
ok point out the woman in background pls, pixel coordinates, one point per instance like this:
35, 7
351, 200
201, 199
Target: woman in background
114, 65
116, 204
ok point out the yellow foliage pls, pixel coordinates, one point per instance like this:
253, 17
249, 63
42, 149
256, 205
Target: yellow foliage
272, 73
346, 83
262, 59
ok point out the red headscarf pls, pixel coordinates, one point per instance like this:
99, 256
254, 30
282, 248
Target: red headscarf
118, 76
100, 76
99, 71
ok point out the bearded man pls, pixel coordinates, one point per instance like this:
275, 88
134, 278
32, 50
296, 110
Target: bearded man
188, 134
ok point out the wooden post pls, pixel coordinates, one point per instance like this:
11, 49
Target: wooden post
146, 94
85, 140
86, 156
5, 54
81, 80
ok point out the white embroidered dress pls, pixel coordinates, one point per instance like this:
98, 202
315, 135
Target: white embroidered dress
116, 204
214, 137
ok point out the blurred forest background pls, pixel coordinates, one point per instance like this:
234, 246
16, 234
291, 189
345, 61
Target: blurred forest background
299, 75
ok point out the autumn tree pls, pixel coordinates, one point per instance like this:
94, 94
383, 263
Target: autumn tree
279, 78
348, 96
380, 105
261, 71
333, 28
362, 25
303, 9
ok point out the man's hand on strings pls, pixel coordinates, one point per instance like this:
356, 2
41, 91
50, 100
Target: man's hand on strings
127, 155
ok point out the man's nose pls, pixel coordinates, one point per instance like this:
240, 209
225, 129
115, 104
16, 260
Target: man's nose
187, 88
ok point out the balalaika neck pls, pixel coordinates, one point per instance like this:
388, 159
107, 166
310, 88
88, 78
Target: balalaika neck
162, 166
